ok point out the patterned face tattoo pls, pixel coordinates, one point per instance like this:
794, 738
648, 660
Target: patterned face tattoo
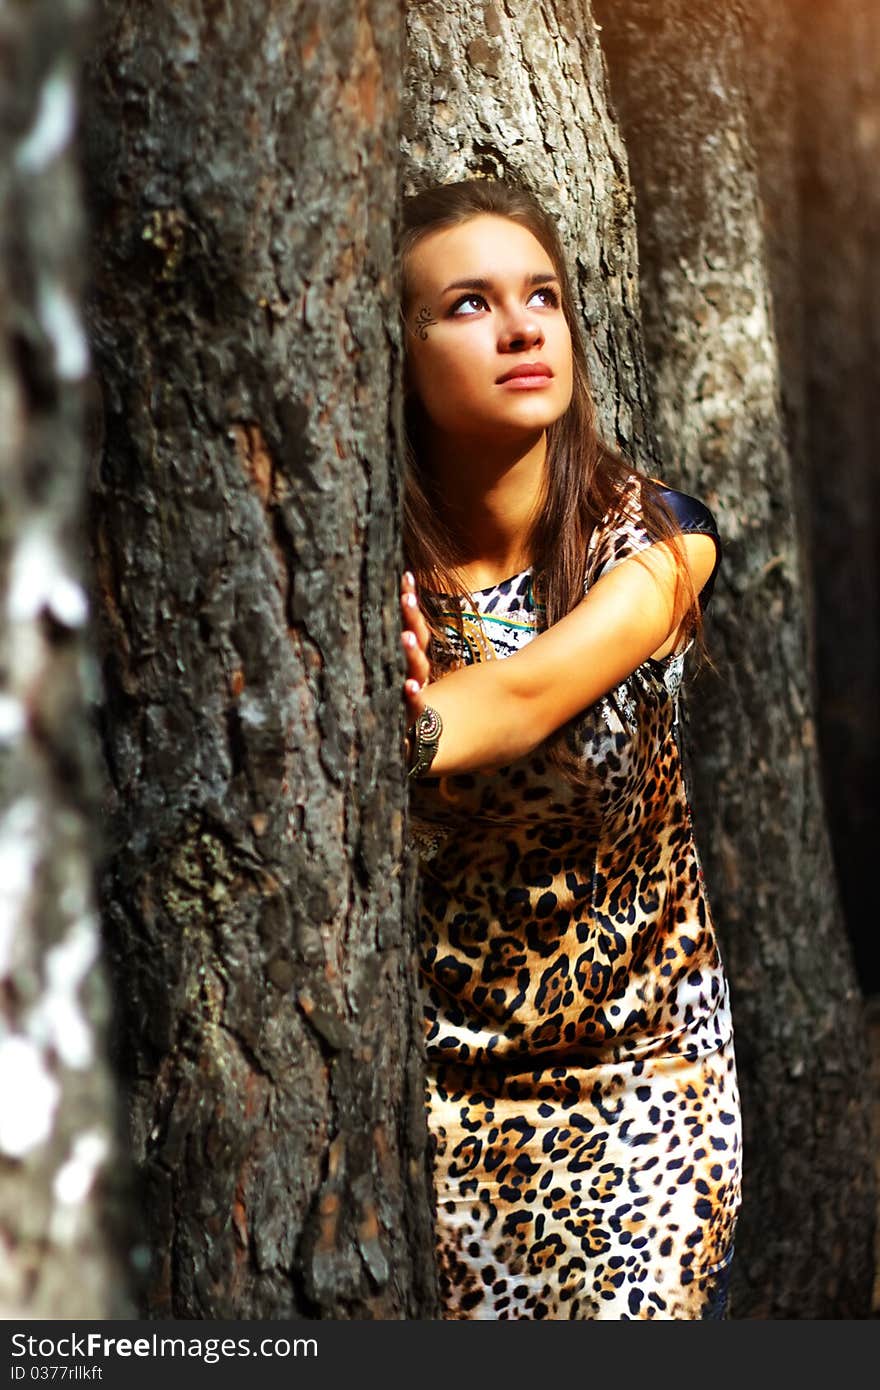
424, 318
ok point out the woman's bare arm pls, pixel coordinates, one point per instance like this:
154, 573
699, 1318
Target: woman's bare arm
496, 711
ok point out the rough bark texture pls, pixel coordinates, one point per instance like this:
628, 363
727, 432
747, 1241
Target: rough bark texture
814, 101
834, 72
814, 95
678, 81
57, 1103
517, 90
772, 121
241, 159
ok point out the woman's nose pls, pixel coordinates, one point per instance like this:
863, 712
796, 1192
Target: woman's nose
521, 331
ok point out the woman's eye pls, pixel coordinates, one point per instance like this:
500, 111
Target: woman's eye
475, 299
471, 303
550, 296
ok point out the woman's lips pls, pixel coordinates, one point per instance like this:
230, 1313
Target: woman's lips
526, 383
528, 377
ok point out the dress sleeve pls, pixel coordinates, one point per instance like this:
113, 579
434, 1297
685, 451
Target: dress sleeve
626, 534
695, 519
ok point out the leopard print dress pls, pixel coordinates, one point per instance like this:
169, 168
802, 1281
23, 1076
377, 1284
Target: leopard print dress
582, 1099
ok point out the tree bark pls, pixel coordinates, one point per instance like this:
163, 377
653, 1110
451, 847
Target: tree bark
62, 1239
816, 117
804, 1242
247, 556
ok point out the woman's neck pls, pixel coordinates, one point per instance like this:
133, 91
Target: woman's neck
491, 497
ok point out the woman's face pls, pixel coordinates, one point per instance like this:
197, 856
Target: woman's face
488, 345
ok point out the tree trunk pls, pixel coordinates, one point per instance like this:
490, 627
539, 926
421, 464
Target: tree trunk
826, 83
814, 106
58, 1210
247, 558
805, 1232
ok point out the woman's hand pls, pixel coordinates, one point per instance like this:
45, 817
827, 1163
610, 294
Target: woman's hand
415, 639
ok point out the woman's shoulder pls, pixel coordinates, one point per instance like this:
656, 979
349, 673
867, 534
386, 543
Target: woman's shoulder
626, 529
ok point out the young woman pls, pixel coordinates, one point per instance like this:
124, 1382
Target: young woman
582, 1098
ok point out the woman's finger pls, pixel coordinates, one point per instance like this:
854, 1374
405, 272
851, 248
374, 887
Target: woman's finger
417, 665
416, 700
414, 619
415, 639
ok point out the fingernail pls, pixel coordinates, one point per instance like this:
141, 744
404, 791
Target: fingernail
413, 687
409, 639
410, 600
409, 577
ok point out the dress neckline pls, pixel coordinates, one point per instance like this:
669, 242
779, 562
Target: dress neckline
489, 589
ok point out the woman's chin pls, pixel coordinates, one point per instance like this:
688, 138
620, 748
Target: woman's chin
501, 427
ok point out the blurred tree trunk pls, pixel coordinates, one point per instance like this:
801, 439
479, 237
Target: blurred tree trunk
58, 1199
815, 99
679, 84
247, 558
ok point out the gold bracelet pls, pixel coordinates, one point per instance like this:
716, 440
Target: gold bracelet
423, 740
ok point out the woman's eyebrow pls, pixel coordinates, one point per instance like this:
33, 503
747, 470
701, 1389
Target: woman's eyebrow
478, 282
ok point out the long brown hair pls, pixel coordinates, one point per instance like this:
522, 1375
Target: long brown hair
587, 480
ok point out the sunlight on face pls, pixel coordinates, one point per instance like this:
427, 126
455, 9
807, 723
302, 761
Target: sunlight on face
488, 346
